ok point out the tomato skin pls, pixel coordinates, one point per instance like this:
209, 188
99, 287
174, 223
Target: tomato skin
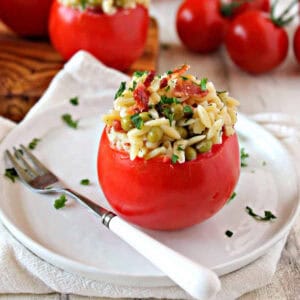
117, 40
255, 44
263, 5
200, 25
157, 194
297, 44
26, 17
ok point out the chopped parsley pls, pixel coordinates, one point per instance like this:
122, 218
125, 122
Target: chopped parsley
67, 118
168, 114
85, 181
229, 233
32, 145
167, 88
174, 158
139, 73
137, 121
188, 110
203, 83
60, 202
232, 197
184, 78
169, 72
11, 173
179, 148
133, 86
74, 101
165, 100
244, 156
268, 215
83, 3
121, 89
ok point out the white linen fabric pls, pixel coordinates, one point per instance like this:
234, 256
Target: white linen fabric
23, 272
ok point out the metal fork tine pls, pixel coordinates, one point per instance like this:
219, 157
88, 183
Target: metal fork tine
37, 164
21, 172
28, 167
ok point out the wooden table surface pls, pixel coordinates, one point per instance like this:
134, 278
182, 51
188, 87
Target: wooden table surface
277, 91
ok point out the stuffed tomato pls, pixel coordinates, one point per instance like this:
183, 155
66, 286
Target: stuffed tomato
113, 31
169, 155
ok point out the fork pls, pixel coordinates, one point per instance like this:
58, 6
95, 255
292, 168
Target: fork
197, 280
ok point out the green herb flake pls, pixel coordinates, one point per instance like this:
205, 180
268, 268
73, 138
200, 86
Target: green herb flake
232, 197
169, 72
264, 163
139, 73
188, 110
67, 118
137, 121
203, 83
166, 100
32, 145
60, 202
85, 181
120, 90
167, 88
168, 114
229, 233
83, 3
184, 78
221, 92
74, 101
179, 148
11, 173
244, 156
268, 215
174, 158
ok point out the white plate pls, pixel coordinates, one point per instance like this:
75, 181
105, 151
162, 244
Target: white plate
73, 239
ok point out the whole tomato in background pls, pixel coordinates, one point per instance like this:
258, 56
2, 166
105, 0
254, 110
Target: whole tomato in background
160, 195
256, 43
297, 44
117, 40
26, 17
200, 25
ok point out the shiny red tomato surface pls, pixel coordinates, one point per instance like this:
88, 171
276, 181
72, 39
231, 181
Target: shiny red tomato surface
117, 40
160, 195
26, 17
200, 25
297, 44
255, 43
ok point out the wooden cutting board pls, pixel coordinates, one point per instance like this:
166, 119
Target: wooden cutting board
28, 66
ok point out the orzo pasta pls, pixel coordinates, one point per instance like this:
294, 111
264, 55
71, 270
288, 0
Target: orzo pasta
173, 115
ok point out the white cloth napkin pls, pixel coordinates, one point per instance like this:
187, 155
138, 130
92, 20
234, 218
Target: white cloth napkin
23, 272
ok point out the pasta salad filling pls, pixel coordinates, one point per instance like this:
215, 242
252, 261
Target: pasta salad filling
105, 6
173, 115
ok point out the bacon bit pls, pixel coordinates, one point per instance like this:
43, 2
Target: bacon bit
149, 78
185, 88
116, 124
141, 96
163, 83
180, 70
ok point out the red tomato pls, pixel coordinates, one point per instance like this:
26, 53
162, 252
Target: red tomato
157, 194
255, 43
117, 40
237, 7
26, 17
200, 25
297, 44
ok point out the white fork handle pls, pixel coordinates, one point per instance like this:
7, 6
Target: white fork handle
198, 281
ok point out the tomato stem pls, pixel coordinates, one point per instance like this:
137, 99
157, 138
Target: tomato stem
227, 9
282, 20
